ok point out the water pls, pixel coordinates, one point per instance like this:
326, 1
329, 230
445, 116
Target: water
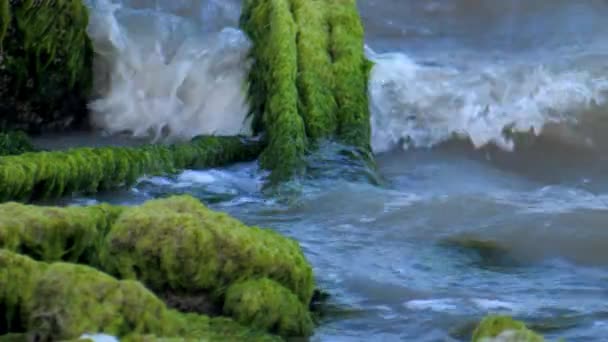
488, 123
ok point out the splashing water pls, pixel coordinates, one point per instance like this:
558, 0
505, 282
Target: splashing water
162, 74
423, 105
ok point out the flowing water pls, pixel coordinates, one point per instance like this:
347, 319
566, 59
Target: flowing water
489, 121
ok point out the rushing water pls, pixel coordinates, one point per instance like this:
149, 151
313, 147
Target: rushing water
489, 121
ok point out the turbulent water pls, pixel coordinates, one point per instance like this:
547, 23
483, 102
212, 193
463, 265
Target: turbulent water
489, 121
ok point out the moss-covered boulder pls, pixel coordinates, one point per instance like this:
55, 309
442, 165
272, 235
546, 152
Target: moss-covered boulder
59, 301
178, 245
195, 259
43, 175
504, 329
309, 81
268, 305
45, 64
74, 234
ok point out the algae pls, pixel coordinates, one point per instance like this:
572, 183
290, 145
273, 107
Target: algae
61, 301
179, 244
43, 175
504, 328
196, 259
273, 91
315, 71
351, 71
45, 64
267, 305
12, 143
73, 234
309, 80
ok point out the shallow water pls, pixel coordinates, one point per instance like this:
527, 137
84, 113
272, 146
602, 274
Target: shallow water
475, 215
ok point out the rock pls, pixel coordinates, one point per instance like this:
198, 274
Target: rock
309, 80
179, 245
504, 329
267, 305
44, 175
196, 259
15, 142
45, 64
60, 301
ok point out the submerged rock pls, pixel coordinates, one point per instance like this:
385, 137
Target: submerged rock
60, 301
309, 81
45, 64
504, 329
197, 259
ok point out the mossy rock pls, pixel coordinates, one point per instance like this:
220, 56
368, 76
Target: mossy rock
179, 245
44, 175
45, 64
73, 234
504, 329
16, 142
196, 259
309, 81
61, 301
267, 305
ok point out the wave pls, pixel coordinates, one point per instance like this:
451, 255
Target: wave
161, 74
417, 104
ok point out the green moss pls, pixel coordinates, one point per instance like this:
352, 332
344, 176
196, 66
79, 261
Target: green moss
179, 244
270, 25
267, 305
62, 301
14, 143
18, 277
5, 19
46, 64
506, 328
44, 175
72, 234
315, 73
309, 81
351, 72
176, 246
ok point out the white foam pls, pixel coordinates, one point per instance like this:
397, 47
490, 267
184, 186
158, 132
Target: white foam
423, 105
160, 74
490, 304
438, 305
99, 338
189, 178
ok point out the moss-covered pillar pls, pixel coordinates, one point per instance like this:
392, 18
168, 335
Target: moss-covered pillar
271, 26
45, 64
351, 70
309, 80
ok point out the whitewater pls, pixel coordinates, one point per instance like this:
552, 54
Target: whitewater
488, 123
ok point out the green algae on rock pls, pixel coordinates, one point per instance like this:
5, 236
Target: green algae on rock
181, 245
61, 301
267, 305
178, 247
351, 70
273, 89
504, 329
315, 71
43, 175
45, 64
15, 142
73, 234
309, 81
